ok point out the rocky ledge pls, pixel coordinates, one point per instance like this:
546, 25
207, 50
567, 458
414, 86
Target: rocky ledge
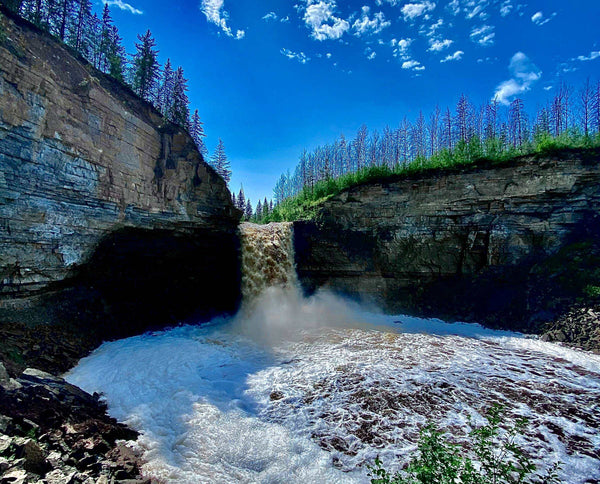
512, 246
52, 432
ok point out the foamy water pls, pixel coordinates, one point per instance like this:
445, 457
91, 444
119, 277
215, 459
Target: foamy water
310, 390
314, 402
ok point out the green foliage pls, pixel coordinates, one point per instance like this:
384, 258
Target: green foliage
304, 206
491, 456
592, 291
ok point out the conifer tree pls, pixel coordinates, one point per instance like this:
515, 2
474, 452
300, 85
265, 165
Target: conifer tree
248, 212
220, 162
258, 213
145, 67
197, 133
165, 94
241, 200
265, 207
180, 112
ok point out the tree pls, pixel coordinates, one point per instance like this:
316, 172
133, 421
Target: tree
197, 133
585, 106
265, 207
145, 66
180, 111
258, 214
220, 162
241, 200
248, 212
165, 92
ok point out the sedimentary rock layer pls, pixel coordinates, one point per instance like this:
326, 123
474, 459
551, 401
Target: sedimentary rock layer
475, 244
109, 217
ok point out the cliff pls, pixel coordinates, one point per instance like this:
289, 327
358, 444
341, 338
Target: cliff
511, 246
111, 223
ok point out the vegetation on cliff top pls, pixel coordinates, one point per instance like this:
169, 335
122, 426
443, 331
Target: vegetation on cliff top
305, 204
447, 139
97, 39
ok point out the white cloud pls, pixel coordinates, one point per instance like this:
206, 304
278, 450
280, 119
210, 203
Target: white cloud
595, 54
483, 35
505, 8
365, 25
454, 7
299, 56
213, 10
453, 57
401, 48
324, 24
539, 19
413, 65
524, 75
413, 10
123, 6
370, 53
439, 45
273, 16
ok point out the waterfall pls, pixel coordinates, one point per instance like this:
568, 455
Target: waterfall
267, 258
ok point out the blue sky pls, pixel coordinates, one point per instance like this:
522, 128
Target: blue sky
271, 77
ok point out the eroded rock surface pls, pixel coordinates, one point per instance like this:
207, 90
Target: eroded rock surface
511, 246
111, 223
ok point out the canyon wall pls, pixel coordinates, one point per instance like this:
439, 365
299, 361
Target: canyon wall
510, 245
110, 220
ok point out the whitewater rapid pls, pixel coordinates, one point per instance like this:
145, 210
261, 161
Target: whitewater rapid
311, 390
213, 404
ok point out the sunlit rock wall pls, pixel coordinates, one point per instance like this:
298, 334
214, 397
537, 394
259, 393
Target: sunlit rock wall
101, 202
469, 245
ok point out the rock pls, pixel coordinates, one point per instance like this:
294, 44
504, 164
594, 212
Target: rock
17, 476
35, 460
111, 223
493, 244
6, 381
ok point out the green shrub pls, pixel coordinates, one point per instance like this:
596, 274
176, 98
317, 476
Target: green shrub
491, 457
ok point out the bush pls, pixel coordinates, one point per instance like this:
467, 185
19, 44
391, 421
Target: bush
491, 457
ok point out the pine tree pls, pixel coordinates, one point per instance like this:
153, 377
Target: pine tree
248, 212
77, 31
258, 213
241, 200
265, 207
116, 55
165, 94
180, 112
197, 133
220, 162
145, 67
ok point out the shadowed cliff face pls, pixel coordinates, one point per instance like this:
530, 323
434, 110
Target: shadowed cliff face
471, 245
102, 205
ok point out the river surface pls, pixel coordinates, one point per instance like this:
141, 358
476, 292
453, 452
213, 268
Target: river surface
310, 390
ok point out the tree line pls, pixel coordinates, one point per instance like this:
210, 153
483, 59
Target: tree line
97, 39
488, 130
261, 211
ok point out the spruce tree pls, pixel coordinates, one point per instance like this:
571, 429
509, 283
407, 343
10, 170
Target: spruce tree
220, 162
197, 133
248, 212
180, 111
165, 95
241, 200
265, 207
259, 212
145, 66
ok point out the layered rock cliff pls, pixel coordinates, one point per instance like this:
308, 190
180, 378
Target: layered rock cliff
110, 221
510, 245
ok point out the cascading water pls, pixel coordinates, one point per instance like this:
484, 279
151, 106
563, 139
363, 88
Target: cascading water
267, 258
309, 390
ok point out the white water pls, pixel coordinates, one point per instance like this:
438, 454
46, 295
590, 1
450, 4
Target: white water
308, 390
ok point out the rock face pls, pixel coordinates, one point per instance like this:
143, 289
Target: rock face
506, 245
110, 221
